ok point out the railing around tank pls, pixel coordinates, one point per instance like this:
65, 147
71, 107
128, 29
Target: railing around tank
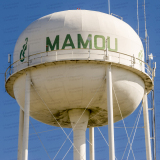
118, 58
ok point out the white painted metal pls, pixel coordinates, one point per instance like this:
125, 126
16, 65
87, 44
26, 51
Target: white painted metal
76, 22
26, 117
79, 121
80, 80
110, 113
146, 127
20, 136
91, 140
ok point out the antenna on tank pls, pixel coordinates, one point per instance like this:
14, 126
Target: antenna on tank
109, 6
9, 58
146, 34
154, 69
150, 56
137, 18
9, 61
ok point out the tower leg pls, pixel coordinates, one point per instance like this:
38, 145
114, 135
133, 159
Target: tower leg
79, 131
146, 127
26, 117
91, 139
110, 113
20, 136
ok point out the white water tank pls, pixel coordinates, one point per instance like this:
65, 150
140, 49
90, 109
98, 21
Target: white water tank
68, 69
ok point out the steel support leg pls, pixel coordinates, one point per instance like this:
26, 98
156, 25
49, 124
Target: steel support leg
146, 127
91, 139
20, 136
79, 130
110, 113
26, 117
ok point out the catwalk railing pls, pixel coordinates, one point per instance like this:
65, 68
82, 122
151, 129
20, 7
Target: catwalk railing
60, 55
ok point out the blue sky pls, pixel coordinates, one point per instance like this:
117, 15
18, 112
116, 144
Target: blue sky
15, 16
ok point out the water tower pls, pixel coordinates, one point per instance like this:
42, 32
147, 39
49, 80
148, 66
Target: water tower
69, 70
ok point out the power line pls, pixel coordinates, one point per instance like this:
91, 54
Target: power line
40, 139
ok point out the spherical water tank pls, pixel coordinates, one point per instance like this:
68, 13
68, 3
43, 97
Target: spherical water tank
67, 56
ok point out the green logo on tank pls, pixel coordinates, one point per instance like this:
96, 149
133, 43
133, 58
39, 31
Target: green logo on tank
22, 53
81, 43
